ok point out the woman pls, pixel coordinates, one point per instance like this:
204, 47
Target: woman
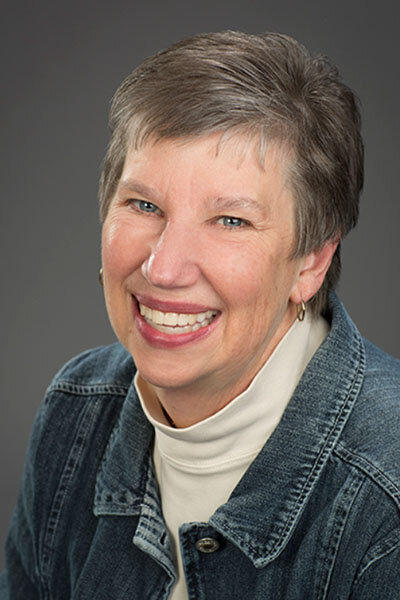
241, 440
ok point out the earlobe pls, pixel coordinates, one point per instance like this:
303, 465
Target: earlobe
312, 272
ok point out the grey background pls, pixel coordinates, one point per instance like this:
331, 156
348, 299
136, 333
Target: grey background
61, 63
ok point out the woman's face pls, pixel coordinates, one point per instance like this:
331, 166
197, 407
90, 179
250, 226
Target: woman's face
196, 264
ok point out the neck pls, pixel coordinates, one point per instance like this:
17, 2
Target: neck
183, 408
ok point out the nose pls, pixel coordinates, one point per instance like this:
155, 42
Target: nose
172, 261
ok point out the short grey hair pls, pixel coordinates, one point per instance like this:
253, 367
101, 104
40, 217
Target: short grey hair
265, 85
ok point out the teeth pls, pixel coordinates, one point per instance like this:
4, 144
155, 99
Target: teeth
158, 317
175, 323
173, 330
182, 319
171, 319
191, 319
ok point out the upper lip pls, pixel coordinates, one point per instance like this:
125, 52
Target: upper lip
172, 305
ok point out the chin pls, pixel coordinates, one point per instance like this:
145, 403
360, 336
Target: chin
169, 372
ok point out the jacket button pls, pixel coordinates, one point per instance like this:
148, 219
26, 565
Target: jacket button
207, 544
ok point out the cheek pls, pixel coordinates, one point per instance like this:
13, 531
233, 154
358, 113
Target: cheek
120, 251
117, 265
257, 285
241, 279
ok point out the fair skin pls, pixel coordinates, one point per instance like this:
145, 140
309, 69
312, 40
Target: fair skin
204, 233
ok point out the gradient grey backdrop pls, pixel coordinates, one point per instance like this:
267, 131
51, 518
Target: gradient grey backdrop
61, 63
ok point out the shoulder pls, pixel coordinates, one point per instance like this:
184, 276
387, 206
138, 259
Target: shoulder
371, 437
90, 388
378, 403
381, 367
83, 400
106, 367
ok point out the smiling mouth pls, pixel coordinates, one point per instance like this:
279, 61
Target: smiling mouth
176, 323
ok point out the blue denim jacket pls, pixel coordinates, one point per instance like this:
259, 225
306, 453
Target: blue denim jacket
316, 516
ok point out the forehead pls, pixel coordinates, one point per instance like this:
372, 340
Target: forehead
217, 161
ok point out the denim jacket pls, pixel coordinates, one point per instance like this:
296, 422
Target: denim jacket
316, 516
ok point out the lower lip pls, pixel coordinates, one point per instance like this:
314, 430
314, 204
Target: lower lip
159, 339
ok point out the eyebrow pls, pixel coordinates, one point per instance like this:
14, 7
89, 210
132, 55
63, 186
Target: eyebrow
232, 203
135, 187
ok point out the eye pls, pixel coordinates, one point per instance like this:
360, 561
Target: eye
232, 222
146, 207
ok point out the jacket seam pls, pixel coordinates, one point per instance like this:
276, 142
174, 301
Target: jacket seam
344, 508
376, 558
372, 471
382, 549
88, 390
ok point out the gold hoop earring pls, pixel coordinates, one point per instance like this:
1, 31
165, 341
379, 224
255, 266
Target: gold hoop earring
301, 311
101, 281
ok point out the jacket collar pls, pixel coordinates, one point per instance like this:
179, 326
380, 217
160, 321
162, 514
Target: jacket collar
259, 519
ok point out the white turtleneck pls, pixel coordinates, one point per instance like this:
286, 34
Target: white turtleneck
198, 467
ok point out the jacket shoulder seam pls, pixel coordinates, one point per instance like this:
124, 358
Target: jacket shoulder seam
371, 470
382, 549
81, 389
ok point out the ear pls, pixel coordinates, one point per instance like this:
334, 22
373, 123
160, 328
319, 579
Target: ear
312, 272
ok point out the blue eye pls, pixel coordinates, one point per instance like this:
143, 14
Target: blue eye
232, 222
145, 206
